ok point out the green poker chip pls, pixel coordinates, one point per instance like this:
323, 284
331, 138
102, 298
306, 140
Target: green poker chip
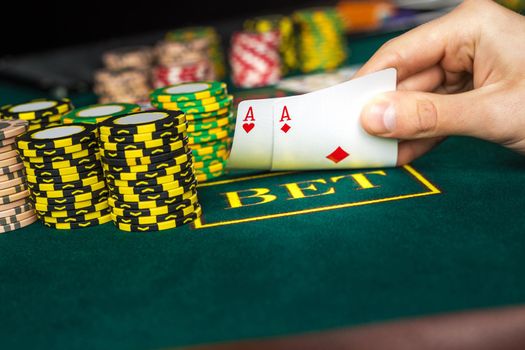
226, 102
205, 151
195, 117
188, 92
96, 113
208, 125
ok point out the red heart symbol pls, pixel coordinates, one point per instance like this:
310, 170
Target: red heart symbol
248, 127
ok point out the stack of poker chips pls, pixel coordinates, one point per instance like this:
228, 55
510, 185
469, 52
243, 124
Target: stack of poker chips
321, 39
126, 76
214, 51
64, 176
255, 59
207, 106
94, 114
149, 171
183, 59
39, 113
284, 26
16, 210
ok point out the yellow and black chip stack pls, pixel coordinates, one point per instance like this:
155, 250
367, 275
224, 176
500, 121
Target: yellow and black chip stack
207, 106
321, 39
284, 26
149, 171
39, 113
64, 176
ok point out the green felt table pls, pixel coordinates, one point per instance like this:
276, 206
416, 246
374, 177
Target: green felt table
319, 250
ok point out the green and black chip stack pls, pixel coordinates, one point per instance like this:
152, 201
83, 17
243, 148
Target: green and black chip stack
149, 171
208, 109
64, 176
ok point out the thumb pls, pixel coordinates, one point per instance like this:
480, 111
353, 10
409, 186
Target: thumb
414, 115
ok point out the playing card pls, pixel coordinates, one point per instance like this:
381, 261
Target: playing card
321, 130
253, 138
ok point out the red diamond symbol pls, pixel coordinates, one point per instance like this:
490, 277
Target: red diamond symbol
338, 155
286, 127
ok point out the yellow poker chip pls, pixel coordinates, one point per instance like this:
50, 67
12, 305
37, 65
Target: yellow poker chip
115, 203
186, 173
110, 146
70, 192
144, 137
57, 137
153, 219
145, 152
141, 122
76, 219
163, 225
76, 212
161, 210
58, 151
181, 182
37, 109
90, 159
178, 160
65, 178
60, 161
75, 225
147, 175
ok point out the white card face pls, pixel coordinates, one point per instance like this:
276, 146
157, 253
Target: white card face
253, 138
321, 130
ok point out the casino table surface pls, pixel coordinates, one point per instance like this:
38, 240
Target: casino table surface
278, 254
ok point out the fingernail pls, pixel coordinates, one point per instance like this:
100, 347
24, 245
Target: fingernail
380, 118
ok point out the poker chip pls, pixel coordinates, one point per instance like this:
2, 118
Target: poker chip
57, 137
133, 138
210, 120
146, 158
126, 162
161, 225
68, 158
98, 207
94, 114
49, 152
11, 128
185, 173
52, 208
189, 92
39, 111
321, 43
162, 210
255, 59
74, 219
16, 211
63, 172
90, 158
142, 122
158, 218
162, 142
76, 225
193, 108
18, 224
115, 203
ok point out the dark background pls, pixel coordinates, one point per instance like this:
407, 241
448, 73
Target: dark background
33, 27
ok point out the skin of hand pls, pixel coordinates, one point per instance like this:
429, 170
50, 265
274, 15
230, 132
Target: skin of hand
461, 74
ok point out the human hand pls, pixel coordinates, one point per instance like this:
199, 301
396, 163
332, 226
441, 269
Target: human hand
461, 74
